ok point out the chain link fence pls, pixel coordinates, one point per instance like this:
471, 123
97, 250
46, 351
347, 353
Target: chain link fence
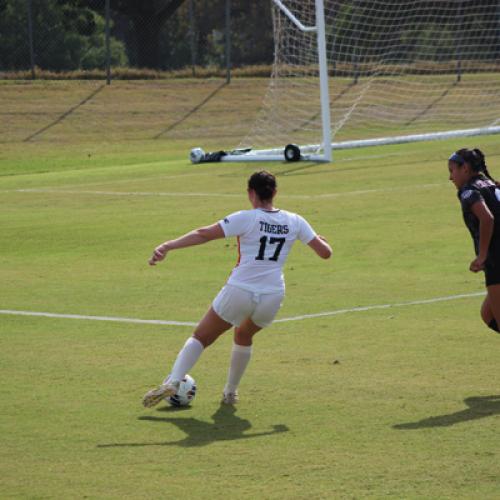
49, 37
131, 40
139, 46
89, 37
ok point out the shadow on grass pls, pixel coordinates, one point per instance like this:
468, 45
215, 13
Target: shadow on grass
64, 115
478, 407
190, 112
226, 426
316, 116
432, 104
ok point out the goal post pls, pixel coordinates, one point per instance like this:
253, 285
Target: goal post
360, 73
323, 77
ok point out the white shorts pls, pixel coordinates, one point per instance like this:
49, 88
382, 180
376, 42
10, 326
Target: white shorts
235, 305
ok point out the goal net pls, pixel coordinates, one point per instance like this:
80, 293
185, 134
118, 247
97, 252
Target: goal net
398, 70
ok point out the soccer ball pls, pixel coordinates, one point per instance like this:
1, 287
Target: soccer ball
185, 394
196, 155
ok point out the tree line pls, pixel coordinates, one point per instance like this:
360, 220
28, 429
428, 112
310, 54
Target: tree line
157, 34
169, 34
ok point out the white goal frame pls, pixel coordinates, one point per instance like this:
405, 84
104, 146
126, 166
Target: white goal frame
310, 152
278, 154
319, 29
307, 152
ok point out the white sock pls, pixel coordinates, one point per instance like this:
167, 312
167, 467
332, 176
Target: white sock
240, 356
186, 358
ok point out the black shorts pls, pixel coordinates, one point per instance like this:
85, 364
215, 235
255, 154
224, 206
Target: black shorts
492, 271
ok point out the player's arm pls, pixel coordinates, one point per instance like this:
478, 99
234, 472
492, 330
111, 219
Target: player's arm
486, 226
196, 237
321, 247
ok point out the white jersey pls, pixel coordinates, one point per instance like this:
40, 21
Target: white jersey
265, 238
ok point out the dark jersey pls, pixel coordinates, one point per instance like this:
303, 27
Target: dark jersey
478, 189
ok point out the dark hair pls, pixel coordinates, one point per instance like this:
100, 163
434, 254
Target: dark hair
475, 159
263, 183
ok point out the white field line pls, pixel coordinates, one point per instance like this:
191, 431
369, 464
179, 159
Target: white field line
142, 179
382, 306
98, 318
282, 320
134, 179
210, 173
198, 173
223, 195
126, 193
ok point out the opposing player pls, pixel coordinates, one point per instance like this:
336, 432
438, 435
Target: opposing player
255, 289
479, 195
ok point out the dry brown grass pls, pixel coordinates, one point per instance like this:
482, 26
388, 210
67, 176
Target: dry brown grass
206, 111
138, 73
342, 69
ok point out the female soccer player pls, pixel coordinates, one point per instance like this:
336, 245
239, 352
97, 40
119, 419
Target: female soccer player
479, 195
255, 289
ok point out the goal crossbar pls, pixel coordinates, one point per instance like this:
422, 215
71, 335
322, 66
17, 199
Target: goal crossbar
294, 20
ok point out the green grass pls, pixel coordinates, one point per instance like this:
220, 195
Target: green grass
400, 403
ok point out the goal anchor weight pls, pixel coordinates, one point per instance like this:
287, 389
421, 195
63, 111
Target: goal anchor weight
292, 153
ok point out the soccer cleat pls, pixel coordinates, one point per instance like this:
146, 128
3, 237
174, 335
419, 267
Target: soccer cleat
230, 398
154, 396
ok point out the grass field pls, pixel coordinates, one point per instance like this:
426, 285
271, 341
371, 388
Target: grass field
394, 402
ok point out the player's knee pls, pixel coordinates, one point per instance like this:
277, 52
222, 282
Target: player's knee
205, 340
243, 337
494, 325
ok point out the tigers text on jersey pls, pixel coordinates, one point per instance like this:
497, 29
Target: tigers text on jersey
265, 238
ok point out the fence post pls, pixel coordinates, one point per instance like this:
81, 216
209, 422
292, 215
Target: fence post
334, 47
108, 48
192, 37
458, 52
355, 51
30, 39
498, 32
228, 41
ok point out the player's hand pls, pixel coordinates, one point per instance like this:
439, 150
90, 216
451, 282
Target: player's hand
477, 265
159, 253
322, 238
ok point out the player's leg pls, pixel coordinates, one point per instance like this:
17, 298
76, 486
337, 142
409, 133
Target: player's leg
490, 311
210, 328
240, 357
243, 334
207, 331
266, 308
486, 312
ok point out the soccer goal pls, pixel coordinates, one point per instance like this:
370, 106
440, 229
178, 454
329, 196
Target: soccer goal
358, 73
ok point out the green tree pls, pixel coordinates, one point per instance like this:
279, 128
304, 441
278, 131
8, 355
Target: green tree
95, 54
14, 48
66, 37
147, 18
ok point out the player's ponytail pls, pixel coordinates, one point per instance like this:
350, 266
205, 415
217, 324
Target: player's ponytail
481, 164
264, 184
478, 161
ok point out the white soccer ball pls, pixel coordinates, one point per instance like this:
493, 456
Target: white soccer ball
185, 394
196, 155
